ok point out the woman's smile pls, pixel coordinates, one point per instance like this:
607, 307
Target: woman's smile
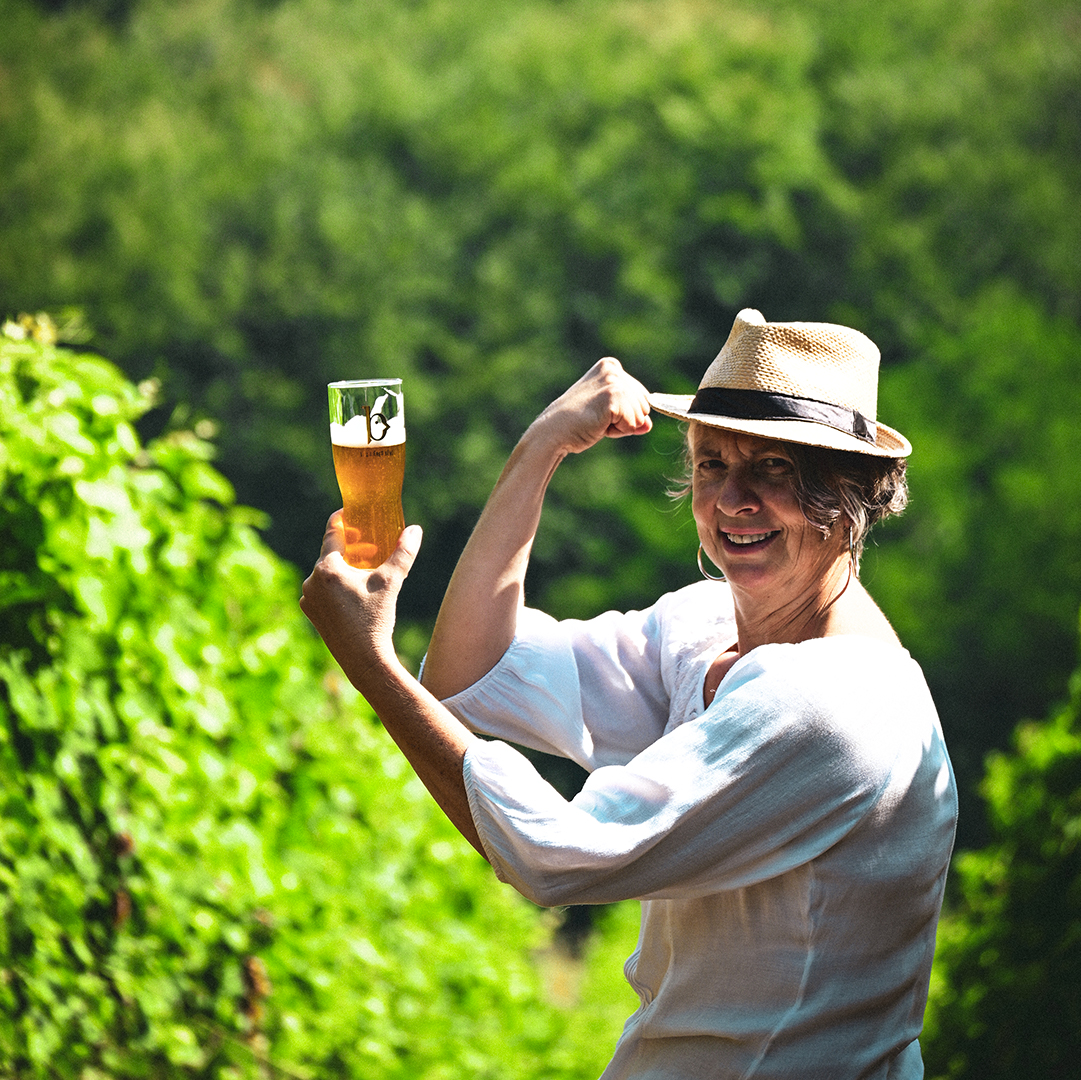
748, 515
748, 539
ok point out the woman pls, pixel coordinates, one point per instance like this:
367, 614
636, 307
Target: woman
767, 770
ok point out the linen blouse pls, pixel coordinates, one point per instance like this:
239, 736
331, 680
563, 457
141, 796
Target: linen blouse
789, 842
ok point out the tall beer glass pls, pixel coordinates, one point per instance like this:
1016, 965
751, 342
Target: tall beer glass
367, 433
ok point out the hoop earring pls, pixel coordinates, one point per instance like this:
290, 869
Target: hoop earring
705, 573
853, 562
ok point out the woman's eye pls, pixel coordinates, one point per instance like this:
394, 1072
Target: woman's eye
710, 463
776, 465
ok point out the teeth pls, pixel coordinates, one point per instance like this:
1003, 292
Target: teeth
747, 538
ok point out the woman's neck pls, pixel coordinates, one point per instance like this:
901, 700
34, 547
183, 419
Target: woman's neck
836, 604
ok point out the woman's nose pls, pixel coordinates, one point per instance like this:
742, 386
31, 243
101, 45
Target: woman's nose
737, 495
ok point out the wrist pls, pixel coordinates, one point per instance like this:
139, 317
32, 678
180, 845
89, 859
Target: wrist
370, 669
545, 440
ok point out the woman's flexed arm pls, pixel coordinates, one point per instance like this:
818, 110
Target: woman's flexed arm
479, 612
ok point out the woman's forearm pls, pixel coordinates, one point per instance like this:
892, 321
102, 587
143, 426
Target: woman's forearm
353, 610
433, 740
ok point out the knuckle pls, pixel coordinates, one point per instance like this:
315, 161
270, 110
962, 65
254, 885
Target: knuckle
378, 580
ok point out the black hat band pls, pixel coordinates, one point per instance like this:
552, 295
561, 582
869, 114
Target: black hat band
762, 405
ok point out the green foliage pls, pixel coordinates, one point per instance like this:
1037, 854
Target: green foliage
1005, 998
599, 999
990, 546
211, 857
251, 199
958, 123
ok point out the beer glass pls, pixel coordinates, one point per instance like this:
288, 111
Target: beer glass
367, 434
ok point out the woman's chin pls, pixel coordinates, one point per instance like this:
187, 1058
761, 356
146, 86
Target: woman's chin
749, 576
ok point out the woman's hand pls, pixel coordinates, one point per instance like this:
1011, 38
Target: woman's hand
354, 610
605, 402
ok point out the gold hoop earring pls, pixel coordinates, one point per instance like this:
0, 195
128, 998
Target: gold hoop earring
705, 573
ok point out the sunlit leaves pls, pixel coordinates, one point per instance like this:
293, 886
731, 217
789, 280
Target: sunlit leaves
210, 856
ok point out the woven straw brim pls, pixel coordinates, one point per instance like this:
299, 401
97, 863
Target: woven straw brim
888, 443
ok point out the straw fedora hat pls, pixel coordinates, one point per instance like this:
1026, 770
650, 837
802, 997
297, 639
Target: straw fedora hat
802, 382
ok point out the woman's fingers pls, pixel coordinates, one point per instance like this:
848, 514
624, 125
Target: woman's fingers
398, 564
333, 536
625, 398
604, 402
352, 609
408, 546
401, 559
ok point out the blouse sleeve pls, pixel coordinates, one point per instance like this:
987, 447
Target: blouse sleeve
774, 773
596, 691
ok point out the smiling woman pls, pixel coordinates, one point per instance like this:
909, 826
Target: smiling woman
832, 486
749, 520
767, 770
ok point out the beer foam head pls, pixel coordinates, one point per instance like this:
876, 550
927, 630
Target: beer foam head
374, 430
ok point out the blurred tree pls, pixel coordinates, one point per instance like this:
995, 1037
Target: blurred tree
959, 125
984, 571
251, 203
1005, 1000
251, 199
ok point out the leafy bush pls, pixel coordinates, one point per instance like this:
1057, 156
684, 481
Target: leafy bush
212, 861
1005, 1000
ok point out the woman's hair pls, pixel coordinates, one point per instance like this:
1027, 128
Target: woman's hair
835, 485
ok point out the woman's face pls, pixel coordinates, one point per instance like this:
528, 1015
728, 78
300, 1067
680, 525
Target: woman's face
748, 517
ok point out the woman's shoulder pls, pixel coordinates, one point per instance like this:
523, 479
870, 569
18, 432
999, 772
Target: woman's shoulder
857, 701
839, 661
699, 611
851, 680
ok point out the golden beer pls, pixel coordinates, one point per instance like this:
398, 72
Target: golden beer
370, 480
367, 433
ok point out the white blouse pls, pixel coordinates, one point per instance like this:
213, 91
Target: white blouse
789, 842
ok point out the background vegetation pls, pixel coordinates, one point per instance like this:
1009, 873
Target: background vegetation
211, 861
244, 200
